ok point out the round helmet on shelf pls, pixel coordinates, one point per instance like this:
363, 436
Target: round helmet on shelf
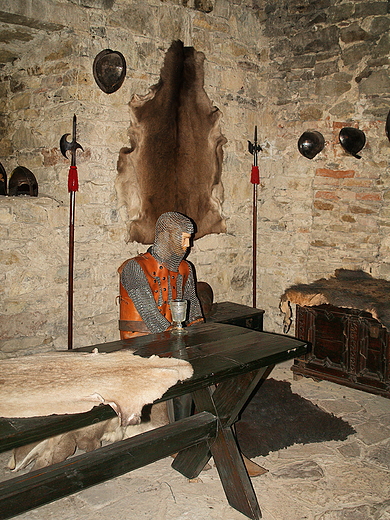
22, 182
352, 140
3, 180
311, 143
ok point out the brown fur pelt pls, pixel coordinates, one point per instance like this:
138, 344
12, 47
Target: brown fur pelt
174, 161
74, 382
347, 288
58, 448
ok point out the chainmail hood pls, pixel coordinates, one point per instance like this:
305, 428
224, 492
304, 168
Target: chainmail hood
167, 246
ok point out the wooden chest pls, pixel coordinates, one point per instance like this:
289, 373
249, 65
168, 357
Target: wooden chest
349, 347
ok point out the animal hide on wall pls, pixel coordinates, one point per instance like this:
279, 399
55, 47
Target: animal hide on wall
73, 382
174, 161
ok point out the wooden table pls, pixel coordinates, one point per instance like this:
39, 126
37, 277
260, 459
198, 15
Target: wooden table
233, 358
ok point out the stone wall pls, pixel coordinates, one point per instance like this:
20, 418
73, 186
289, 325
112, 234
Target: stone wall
328, 68
286, 66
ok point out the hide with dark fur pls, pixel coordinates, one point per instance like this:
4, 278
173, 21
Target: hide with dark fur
174, 160
347, 288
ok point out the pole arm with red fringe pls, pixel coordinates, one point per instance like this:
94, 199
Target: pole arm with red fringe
254, 148
73, 186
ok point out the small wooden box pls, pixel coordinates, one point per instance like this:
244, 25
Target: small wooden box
349, 347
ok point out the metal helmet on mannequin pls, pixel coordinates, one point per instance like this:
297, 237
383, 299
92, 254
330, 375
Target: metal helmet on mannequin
167, 246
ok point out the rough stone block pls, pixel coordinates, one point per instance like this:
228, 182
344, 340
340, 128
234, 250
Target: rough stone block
355, 54
341, 12
378, 83
353, 33
331, 88
364, 9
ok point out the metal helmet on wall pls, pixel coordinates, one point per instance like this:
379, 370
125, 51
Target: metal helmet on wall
22, 182
311, 143
109, 70
352, 140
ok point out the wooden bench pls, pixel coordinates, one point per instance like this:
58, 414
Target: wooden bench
234, 358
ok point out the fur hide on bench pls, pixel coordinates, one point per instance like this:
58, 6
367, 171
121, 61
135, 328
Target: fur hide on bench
73, 382
347, 288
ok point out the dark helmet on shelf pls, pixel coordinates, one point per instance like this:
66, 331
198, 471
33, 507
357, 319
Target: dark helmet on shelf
22, 182
109, 70
3, 180
311, 143
352, 140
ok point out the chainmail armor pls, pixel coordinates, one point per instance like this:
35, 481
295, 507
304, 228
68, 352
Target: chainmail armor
167, 246
195, 311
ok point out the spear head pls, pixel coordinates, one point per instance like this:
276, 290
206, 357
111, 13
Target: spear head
254, 148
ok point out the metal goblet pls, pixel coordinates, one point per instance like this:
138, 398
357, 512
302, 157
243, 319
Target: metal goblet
179, 313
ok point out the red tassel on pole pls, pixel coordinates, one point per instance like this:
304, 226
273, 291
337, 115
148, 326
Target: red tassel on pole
73, 180
255, 176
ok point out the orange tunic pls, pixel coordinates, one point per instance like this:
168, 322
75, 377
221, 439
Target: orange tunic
159, 279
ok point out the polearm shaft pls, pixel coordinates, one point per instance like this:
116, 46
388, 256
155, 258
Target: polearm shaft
254, 148
70, 271
254, 242
73, 186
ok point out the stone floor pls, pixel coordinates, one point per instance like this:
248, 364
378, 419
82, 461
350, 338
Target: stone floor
337, 480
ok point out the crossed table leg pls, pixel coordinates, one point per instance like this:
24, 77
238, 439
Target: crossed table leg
225, 402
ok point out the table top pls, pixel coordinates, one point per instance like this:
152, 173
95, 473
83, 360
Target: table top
216, 352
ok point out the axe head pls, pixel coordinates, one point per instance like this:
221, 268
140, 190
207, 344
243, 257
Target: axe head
65, 145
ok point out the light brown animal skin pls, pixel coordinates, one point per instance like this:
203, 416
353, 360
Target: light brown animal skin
174, 162
74, 382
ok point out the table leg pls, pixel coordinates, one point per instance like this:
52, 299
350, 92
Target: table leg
191, 461
226, 402
231, 396
233, 474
